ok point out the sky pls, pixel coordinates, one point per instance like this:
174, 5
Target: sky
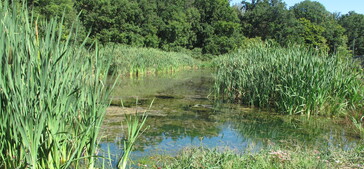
341, 6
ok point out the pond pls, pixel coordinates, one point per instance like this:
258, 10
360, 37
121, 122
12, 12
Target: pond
182, 115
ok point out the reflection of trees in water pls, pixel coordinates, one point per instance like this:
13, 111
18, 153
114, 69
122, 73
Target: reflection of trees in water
180, 83
198, 85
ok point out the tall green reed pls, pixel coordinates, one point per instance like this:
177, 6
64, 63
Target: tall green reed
52, 96
135, 126
141, 61
292, 80
359, 125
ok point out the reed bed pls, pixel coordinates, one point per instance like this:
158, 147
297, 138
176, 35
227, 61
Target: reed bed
292, 80
141, 61
52, 95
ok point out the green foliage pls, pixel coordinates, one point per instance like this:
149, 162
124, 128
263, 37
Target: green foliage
322, 30
291, 80
297, 157
313, 11
49, 9
359, 125
219, 29
354, 30
269, 20
52, 95
112, 20
210, 25
135, 126
141, 61
313, 35
307, 23
335, 36
165, 24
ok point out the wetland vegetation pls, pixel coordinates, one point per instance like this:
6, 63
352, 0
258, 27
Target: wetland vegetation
53, 97
292, 80
281, 88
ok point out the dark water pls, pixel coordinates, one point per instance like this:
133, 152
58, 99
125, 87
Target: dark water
183, 116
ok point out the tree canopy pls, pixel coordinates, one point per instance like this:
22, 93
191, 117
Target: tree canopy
354, 29
210, 26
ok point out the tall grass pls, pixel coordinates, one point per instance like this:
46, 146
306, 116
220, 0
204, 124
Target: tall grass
276, 157
52, 96
141, 61
359, 125
135, 126
293, 80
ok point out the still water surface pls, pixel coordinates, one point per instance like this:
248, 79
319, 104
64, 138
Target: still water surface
183, 116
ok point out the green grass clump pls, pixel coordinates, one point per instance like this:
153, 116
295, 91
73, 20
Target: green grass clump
141, 61
292, 80
275, 158
52, 96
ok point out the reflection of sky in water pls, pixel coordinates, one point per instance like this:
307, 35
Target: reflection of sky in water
227, 138
184, 124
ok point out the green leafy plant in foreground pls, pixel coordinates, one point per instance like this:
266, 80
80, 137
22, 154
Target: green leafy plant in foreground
276, 157
135, 125
52, 96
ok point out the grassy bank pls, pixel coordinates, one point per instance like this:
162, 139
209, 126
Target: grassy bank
297, 157
52, 96
141, 61
292, 80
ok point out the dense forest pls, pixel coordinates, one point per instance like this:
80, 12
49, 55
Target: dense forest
209, 26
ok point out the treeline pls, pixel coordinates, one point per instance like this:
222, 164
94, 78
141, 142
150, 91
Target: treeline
209, 26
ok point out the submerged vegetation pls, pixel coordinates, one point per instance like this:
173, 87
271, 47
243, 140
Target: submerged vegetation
293, 80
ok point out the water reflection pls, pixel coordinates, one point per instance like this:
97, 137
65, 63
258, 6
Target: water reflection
182, 116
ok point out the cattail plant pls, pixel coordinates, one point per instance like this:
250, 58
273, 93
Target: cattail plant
141, 61
53, 94
292, 80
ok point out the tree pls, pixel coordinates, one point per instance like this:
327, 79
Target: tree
354, 30
149, 22
112, 20
175, 31
219, 30
313, 11
268, 19
320, 21
313, 34
47, 9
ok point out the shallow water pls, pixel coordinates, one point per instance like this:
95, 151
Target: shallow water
183, 116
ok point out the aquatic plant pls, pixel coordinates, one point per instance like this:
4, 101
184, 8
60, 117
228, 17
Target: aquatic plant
52, 96
141, 61
135, 126
292, 80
